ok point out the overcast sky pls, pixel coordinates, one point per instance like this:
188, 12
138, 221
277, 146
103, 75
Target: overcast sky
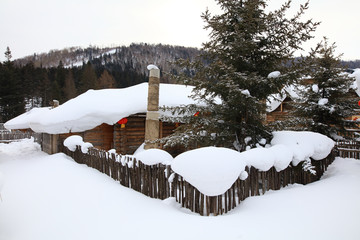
35, 26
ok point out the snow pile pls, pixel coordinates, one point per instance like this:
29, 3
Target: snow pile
315, 88
278, 156
73, 141
2, 180
304, 145
49, 197
26, 145
259, 158
274, 74
323, 101
152, 66
154, 156
211, 170
283, 156
246, 92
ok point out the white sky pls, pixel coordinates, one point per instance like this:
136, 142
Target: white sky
35, 26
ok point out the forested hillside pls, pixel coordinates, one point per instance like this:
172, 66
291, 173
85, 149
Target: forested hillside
63, 74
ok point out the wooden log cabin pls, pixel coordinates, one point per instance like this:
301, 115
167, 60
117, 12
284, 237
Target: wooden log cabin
279, 108
124, 139
96, 114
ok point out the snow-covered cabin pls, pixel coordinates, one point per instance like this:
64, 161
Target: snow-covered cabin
278, 106
95, 114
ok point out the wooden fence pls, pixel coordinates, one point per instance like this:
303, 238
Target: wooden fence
348, 149
159, 181
149, 180
9, 136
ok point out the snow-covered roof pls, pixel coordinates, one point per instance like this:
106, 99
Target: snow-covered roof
274, 100
23, 121
96, 107
356, 84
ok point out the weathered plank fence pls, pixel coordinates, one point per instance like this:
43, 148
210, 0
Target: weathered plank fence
348, 149
149, 180
8, 136
159, 181
257, 183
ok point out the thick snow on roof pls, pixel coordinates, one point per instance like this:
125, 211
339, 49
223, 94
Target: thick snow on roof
274, 100
211, 170
356, 85
23, 121
95, 107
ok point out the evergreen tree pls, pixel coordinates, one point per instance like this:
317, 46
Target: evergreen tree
324, 103
8, 55
246, 44
88, 79
11, 93
69, 88
106, 80
55, 92
45, 89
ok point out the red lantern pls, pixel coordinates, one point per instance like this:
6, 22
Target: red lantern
196, 114
359, 103
122, 122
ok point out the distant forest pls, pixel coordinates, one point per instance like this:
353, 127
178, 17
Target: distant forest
36, 80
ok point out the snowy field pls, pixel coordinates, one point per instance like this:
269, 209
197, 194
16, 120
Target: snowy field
50, 197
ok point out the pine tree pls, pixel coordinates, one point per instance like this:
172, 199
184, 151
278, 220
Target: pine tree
69, 88
324, 103
88, 79
11, 93
106, 80
8, 55
246, 44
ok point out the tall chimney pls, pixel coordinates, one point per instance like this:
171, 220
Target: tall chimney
152, 114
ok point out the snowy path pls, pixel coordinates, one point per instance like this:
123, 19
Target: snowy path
51, 197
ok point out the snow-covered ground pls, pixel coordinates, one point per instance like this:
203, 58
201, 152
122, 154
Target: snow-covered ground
51, 197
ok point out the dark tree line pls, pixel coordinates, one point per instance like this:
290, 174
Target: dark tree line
26, 86
34, 81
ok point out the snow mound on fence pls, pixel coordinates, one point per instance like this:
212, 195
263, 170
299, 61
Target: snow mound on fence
278, 156
304, 145
154, 156
211, 170
73, 141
